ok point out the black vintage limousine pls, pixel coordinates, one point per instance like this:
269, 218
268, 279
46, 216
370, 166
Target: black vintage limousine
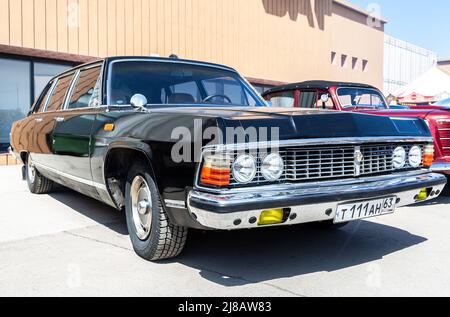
147, 135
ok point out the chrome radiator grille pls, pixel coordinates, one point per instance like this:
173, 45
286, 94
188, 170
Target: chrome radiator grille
317, 163
310, 164
444, 135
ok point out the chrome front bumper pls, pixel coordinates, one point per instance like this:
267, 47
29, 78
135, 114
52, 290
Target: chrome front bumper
309, 202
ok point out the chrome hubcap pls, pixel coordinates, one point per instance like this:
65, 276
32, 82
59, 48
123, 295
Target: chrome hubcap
31, 171
141, 205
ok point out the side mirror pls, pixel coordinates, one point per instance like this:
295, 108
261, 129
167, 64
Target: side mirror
138, 101
324, 98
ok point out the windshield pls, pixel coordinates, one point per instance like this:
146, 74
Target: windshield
166, 83
445, 102
361, 98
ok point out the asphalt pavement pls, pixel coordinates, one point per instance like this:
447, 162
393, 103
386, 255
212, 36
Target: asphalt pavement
66, 244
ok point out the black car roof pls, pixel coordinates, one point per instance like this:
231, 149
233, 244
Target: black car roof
315, 84
145, 58
167, 59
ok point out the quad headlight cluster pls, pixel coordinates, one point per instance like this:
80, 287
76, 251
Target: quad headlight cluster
414, 158
244, 168
218, 168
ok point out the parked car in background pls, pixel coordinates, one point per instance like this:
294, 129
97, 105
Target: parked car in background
355, 97
440, 105
109, 130
443, 103
398, 107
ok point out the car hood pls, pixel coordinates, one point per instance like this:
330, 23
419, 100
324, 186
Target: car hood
303, 123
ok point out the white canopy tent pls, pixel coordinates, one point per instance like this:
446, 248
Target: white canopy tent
432, 86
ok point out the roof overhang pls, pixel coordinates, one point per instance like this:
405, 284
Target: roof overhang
358, 9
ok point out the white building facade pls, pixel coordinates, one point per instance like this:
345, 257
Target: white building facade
404, 62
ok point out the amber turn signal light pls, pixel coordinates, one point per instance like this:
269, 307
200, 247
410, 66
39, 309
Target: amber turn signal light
109, 127
216, 170
428, 155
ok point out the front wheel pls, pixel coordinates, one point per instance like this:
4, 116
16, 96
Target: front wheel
37, 184
152, 234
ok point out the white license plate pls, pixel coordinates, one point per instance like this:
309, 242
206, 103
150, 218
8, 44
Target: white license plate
365, 209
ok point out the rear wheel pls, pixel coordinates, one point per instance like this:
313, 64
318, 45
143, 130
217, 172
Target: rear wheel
152, 234
329, 225
37, 184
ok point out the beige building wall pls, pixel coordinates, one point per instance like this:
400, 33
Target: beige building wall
278, 40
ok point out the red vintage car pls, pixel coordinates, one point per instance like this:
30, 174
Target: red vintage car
353, 97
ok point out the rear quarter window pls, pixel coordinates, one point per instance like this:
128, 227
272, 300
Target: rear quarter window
43, 98
59, 94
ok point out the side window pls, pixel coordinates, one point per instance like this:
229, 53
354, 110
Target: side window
85, 88
57, 99
96, 96
308, 99
284, 99
44, 96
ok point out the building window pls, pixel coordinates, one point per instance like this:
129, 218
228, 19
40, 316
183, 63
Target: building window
344, 61
334, 59
21, 82
43, 72
365, 65
14, 95
354, 63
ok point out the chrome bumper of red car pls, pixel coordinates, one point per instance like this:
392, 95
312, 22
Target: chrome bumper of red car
441, 168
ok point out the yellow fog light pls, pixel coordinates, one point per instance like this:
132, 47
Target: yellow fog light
423, 195
271, 217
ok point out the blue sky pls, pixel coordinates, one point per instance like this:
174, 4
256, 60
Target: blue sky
424, 23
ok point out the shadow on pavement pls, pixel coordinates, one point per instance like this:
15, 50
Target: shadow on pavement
244, 257
247, 257
93, 209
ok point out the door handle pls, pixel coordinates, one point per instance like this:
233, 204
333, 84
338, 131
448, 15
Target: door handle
59, 119
39, 120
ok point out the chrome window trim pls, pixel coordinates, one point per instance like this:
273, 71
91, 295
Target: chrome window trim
78, 71
75, 82
50, 94
301, 143
69, 91
373, 89
65, 96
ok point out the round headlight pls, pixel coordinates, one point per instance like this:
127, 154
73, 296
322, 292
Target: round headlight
399, 158
415, 156
272, 167
244, 169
